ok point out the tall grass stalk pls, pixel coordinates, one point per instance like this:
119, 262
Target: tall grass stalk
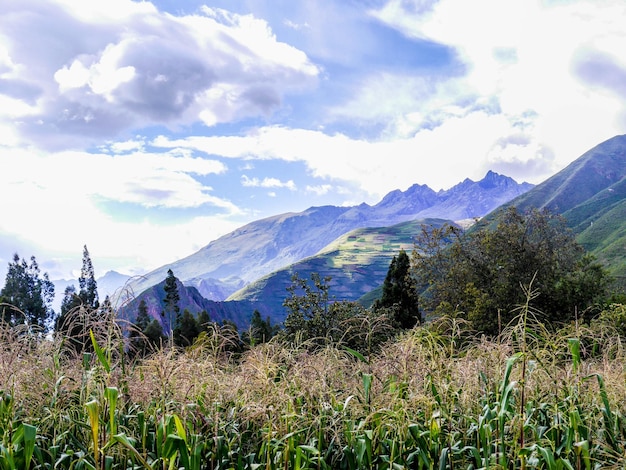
433, 397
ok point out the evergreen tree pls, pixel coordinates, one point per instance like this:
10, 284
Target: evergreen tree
154, 333
260, 331
87, 282
146, 332
27, 295
186, 329
172, 298
204, 321
81, 311
143, 318
400, 293
70, 300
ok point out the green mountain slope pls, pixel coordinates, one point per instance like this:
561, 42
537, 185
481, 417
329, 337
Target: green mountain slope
593, 172
591, 194
357, 262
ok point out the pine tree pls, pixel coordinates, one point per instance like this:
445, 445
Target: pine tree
87, 282
186, 329
27, 295
204, 320
261, 331
143, 318
154, 333
171, 299
400, 293
81, 310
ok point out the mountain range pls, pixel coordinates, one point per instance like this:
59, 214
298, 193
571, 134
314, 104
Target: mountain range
264, 246
253, 265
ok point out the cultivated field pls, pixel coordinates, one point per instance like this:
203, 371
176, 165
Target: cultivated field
433, 397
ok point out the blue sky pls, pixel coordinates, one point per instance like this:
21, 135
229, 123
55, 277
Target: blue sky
145, 130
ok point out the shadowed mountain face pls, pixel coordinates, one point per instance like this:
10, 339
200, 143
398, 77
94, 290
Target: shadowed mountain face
356, 262
190, 299
264, 246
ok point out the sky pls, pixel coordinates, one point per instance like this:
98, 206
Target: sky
145, 130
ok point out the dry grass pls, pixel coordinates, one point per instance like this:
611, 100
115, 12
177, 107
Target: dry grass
426, 395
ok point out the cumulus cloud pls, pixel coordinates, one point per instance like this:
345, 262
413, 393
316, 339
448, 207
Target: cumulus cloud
460, 147
554, 68
267, 183
97, 70
149, 180
63, 198
319, 190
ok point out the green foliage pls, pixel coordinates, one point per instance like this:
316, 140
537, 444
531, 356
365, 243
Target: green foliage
88, 292
614, 318
317, 321
186, 329
27, 295
172, 298
312, 316
260, 331
481, 272
146, 333
154, 333
400, 293
80, 311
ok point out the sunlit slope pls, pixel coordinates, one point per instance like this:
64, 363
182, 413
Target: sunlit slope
357, 262
591, 194
592, 173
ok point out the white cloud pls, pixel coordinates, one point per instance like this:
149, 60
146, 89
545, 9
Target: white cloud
79, 178
61, 197
525, 61
319, 190
458, 148
267, 183
91, 71
127, 146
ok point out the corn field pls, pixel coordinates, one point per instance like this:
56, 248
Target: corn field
432, 397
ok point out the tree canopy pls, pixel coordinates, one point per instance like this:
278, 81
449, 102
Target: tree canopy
400, 293
88, 293
27, 295
172, 297
482, 273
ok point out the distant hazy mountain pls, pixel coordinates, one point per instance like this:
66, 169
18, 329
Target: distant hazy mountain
264, 246
111, 284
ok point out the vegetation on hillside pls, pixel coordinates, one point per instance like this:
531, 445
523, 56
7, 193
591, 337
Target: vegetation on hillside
27, 295
530, 398
481, 275
512, 368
